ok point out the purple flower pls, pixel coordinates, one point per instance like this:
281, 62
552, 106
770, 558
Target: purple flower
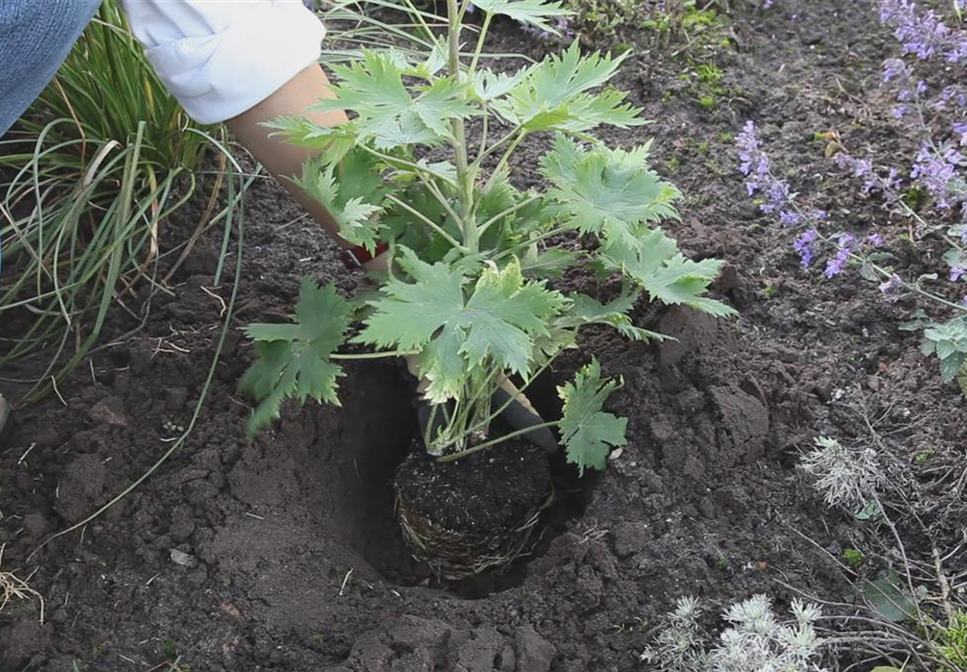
778, 196
956, 273
750, 155
935, 169
834, 266
874, 239
952, 94
767, 4
960, 128
891, 288
789, 218
754, 164
818, 215
804, 246
923, 33
863, 168
896, 69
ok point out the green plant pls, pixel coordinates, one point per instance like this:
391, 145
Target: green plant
951, 639
597, 20
469, 299
853, 557
704, 82
92, 171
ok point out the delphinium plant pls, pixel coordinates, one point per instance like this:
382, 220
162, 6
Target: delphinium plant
938, 121
468, 299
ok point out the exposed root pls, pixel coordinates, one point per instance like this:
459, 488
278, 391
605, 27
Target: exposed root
454, 556
12, 586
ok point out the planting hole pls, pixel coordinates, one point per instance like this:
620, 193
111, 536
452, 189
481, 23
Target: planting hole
350, 476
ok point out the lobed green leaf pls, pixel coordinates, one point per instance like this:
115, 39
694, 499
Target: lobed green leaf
554, 95
588, 432
387, 113
292, 360
654, 262
494, 325
531, 12
607, 192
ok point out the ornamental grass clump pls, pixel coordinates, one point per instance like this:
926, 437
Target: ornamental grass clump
469, 299
88, 177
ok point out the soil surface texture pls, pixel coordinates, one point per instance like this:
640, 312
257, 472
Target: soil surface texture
281, 552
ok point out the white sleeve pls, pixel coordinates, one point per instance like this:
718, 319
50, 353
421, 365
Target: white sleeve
220, 58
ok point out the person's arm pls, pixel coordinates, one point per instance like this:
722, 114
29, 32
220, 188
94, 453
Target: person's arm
243, 62
281, 158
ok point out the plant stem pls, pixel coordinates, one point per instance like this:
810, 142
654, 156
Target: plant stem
415, 167
443, 200
480, 42
484, 153
469, 451
426, 220
513, 398
503, 159
531, 241
372, 355
512, 209
464, 178
483, 134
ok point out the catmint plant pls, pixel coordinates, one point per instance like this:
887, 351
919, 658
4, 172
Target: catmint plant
469, 297
947, 340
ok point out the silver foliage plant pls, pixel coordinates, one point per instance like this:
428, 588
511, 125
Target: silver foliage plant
754, 640
846, 477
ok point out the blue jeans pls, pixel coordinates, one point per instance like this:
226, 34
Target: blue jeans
35, 38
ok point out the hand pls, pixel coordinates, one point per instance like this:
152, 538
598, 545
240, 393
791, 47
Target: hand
519, 413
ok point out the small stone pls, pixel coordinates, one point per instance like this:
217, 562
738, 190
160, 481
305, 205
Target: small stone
181, 558
109, 411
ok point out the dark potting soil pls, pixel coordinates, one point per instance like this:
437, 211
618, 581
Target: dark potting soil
281, 552
493, 491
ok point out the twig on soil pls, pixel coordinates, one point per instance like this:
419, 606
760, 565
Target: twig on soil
23, 457
345, 580
53, 382
221, 301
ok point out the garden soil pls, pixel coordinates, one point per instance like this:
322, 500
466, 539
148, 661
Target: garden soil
281, 552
